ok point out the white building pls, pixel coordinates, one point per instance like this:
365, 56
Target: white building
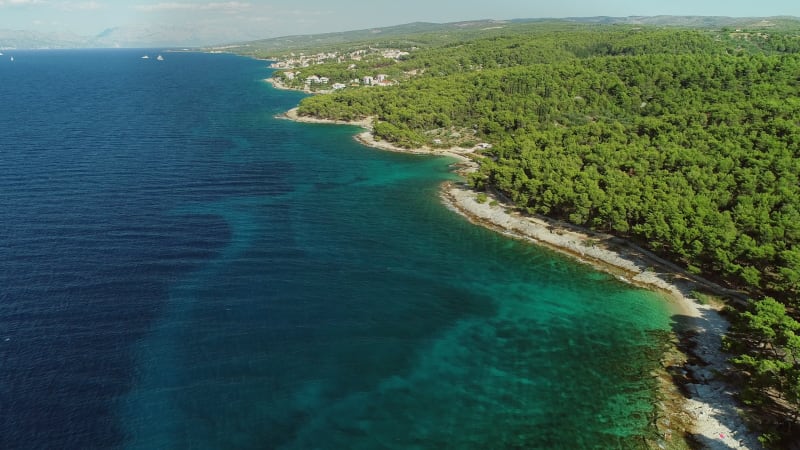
394, 54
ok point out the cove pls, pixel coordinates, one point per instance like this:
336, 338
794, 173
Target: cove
350, 309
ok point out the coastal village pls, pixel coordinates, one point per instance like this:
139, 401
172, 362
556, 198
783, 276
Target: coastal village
301, 60
298, 68
296, 72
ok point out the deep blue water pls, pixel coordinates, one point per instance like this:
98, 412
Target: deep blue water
179, 269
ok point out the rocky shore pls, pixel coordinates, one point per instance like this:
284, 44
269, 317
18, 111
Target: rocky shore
710, 411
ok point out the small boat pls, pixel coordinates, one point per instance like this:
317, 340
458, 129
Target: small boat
145, 57
12, 58
160, 58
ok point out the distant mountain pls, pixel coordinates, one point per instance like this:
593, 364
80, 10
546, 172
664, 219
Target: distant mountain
123, 37
14, 39
147, 37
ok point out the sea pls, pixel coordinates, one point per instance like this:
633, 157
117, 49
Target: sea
180, 269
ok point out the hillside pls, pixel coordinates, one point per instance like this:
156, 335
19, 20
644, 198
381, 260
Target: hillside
423, 35
418, 34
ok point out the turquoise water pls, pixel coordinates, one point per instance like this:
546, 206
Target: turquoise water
278, 285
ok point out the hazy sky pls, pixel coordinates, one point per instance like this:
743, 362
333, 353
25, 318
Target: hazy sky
272, 18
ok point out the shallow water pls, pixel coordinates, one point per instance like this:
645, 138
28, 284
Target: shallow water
182, 270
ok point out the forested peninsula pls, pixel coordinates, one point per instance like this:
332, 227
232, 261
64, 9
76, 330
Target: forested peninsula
683, 141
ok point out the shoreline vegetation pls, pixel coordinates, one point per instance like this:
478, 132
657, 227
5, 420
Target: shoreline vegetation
694, 400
